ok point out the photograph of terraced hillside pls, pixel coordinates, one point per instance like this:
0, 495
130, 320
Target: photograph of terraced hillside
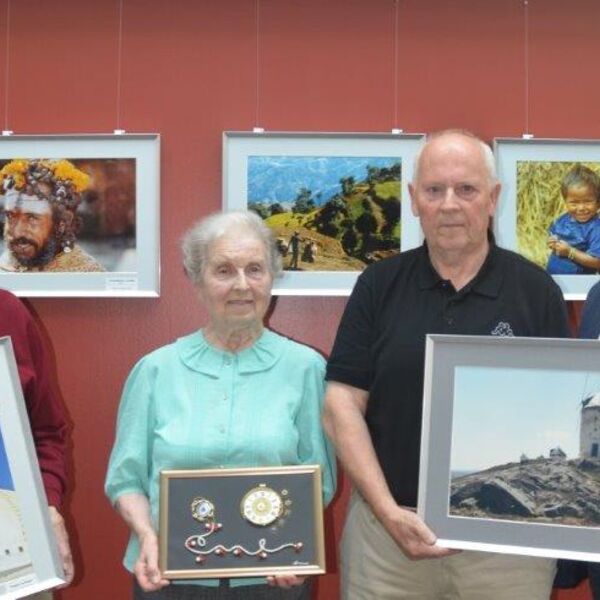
328, 213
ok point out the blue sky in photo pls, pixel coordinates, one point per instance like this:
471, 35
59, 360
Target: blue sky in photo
6, 482
501, 413
279, 178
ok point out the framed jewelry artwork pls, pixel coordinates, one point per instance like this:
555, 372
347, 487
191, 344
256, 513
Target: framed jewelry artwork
80, 215
548, 209
29, 560
510, 446
335, 202
241, 522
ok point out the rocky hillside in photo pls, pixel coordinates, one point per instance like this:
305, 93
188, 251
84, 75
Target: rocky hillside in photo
357, 224
544, 490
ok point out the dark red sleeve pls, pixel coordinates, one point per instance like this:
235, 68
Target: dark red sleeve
46, 415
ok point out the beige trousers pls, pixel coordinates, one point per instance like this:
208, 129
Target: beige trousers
374, 568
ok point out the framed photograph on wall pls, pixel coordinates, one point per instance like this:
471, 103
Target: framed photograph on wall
80, 215
510, 447
246, 522
335, 201
549, 205
29, 560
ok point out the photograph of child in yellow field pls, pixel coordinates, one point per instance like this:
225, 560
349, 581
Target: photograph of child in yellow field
558, 226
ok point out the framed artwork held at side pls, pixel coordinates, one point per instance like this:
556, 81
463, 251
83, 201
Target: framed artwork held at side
29, 561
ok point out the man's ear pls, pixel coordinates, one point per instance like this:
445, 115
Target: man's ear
494, 194
413, 204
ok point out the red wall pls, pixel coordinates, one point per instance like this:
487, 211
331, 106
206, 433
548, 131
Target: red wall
189, 72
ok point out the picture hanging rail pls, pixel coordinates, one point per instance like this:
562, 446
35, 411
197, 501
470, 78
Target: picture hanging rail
548, 209
80, 215
335, 202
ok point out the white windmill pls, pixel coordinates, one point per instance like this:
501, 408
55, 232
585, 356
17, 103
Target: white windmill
589, 433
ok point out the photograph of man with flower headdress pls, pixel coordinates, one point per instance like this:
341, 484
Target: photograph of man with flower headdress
75, 215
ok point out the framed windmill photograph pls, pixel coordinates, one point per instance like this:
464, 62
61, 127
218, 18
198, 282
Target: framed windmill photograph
335, 202
510, 452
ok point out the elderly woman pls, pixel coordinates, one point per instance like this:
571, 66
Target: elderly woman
232, 394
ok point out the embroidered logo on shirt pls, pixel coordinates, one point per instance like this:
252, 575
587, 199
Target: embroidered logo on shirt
503, 329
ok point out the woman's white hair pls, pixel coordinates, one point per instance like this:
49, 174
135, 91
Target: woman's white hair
196, 242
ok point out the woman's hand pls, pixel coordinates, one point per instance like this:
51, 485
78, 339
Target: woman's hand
146, 568
285, 581
135, 509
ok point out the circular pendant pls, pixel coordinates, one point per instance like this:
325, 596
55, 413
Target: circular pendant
202, 509
261, 505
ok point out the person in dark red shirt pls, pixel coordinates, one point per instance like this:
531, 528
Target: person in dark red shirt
46, 415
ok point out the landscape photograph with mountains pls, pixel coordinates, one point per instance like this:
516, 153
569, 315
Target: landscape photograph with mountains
328, 213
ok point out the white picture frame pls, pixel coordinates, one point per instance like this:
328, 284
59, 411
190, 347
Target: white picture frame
122, 231
501, 417
542, 155
271, 168
29, 560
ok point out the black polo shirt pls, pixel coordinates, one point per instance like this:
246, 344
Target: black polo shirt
380, 344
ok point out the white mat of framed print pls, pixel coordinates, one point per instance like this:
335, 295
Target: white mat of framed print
116, 247
548, 209
335, 201
510, 448
29, 559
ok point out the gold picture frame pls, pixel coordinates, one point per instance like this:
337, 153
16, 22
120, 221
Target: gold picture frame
241, 522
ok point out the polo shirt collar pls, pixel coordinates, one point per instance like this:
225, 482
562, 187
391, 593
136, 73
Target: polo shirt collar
487, 282
198, 355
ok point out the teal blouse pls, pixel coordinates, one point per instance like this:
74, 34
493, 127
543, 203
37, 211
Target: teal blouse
189, 405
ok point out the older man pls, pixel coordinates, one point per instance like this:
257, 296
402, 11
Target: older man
458, 282
40, 205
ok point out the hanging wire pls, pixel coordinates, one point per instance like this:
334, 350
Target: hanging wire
395, 61
526, 61
257, 114
6, 68
119, 66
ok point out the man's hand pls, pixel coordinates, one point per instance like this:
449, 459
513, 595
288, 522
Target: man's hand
62, 541
415, 539
146, 568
